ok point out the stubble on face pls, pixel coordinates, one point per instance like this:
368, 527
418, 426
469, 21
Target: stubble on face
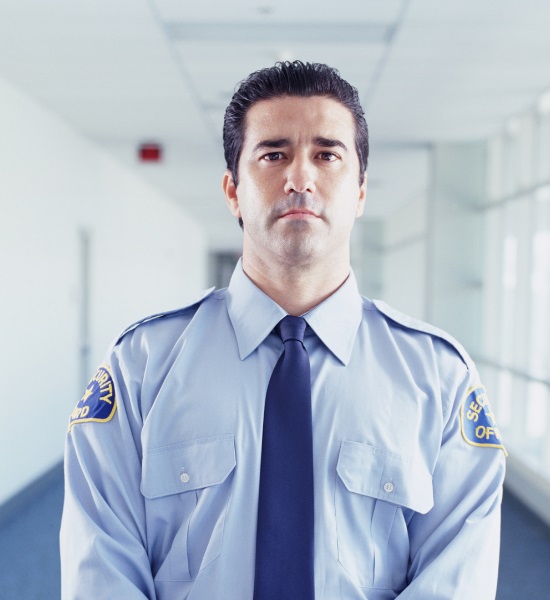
295, 241
296, 131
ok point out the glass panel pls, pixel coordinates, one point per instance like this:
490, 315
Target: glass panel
533, 440
509, 172
516, 320
525, 151
504, 410
492, 284
509, 281
537, 411
540, 289
495, 151
543, 148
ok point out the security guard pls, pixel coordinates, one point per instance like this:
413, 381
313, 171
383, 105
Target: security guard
164, 460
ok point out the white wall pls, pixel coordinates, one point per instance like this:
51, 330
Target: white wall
146, 255
366, 255
405, 239
433, 245
455, 242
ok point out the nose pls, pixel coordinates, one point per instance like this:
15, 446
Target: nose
300, 176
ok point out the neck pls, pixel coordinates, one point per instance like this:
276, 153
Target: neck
297, 288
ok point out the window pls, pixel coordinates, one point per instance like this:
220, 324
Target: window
516, 328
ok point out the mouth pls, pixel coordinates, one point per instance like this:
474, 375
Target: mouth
299, 213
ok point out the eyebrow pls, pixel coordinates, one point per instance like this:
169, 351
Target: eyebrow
328, 142
282, 142
279, 143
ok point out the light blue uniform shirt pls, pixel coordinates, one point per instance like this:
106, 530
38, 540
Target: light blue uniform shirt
162, 484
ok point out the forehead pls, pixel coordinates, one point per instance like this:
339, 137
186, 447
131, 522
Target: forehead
296, 117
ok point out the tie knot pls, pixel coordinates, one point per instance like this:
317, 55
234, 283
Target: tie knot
292, 328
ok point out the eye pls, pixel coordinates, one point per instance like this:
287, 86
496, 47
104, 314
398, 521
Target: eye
328, 156
272, 156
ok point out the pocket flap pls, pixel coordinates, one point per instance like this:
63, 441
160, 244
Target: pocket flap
385, 475
187, 466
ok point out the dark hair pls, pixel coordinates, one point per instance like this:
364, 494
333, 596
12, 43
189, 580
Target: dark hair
291, 79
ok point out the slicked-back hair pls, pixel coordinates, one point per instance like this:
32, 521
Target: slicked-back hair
291, 79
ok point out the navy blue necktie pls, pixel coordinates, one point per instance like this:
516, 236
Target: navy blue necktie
284, 540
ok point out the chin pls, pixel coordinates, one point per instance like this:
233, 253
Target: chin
299, 251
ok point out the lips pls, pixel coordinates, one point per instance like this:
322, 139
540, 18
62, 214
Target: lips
299, 213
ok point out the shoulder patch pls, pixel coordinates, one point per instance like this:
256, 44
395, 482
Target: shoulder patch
477, 421
98, 402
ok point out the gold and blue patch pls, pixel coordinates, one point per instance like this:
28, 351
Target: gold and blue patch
477, 420
98, 402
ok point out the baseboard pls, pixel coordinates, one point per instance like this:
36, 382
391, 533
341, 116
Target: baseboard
30, 492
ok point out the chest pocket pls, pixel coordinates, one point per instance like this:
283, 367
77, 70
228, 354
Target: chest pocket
187, 487
374, 491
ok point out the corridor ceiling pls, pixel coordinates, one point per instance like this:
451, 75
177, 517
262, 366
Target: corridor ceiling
123, 72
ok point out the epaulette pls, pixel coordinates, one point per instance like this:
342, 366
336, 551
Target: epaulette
477, 420
203, 295
416, 324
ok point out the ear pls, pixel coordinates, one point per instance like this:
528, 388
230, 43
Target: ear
230, 191
362, 197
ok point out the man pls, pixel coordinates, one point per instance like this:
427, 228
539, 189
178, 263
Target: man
184, 476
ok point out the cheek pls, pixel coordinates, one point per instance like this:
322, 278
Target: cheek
344, 205
251, 205
339, 188
257, 196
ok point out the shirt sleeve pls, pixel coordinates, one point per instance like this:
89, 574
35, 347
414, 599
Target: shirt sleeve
454, 548
103, 533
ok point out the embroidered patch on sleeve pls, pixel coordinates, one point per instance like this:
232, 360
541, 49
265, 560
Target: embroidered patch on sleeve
477, 421
98, 402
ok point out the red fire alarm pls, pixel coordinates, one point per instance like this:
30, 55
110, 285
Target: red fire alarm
150, 152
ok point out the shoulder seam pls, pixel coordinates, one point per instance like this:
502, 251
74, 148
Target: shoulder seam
168, 313
417, 325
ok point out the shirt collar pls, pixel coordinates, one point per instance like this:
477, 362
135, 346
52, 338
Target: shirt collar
253, 315
336, 320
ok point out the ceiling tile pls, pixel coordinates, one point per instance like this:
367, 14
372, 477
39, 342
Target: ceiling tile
288, 11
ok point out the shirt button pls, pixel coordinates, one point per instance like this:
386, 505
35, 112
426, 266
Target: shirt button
389, 487
184, 477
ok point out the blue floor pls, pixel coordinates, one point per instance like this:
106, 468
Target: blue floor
29, 549
29, 552
524, 572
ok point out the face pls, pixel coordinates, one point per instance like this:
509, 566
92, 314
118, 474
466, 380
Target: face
298, 191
